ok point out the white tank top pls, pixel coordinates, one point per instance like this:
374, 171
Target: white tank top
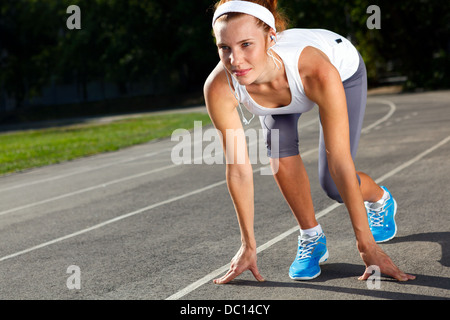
290, 44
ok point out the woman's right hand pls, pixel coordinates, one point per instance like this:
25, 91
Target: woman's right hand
245, 259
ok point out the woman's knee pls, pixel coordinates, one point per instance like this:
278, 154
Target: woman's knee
328, 185
330, 189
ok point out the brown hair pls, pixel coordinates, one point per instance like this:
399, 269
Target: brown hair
281, 21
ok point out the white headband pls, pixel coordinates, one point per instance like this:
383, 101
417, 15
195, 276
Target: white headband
246, 7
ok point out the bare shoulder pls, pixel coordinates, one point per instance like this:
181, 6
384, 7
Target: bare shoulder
317, 72
216, 86
312, 63
220, 100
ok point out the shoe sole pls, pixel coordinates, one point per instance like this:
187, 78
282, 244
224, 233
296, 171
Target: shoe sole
395, 225
321, 261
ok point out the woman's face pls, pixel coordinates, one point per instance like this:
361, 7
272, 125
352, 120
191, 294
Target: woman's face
242, 46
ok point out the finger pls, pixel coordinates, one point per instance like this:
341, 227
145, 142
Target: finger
401, 276
256, 274
365, 276
398, 275
219, 280
393, 271
411, 277
226, 278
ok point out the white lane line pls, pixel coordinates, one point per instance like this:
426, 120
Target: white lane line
127, 215
387, 116
99, 186
209, 277
85, 170
410, 162
107, 222
368, 128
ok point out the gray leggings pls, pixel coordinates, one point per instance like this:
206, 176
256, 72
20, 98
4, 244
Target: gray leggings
356, 94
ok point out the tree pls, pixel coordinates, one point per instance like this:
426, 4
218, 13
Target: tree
414, 39
27, 47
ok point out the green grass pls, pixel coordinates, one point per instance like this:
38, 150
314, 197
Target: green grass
36, 148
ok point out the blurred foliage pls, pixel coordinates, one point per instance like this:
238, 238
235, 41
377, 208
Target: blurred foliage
414, 39
170, 42
164, 42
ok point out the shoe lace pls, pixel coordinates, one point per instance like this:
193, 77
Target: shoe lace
306, 246
375, 213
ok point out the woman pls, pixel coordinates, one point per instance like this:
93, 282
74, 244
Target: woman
278, 76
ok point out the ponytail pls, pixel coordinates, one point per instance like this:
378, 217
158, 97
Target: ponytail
281, 20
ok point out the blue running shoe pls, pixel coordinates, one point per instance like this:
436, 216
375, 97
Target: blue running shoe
381, 218
312, 250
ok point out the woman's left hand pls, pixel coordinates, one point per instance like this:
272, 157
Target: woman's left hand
375, 256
